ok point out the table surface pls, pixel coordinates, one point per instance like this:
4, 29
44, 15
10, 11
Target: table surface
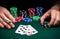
43, 33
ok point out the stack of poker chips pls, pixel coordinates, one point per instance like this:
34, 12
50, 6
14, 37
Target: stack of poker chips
31, 12
34, 13
14, 12
23, 13
39, 11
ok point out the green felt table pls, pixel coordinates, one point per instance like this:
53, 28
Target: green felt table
43, 33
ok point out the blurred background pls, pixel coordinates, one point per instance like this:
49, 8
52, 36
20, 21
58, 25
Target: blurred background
25, 4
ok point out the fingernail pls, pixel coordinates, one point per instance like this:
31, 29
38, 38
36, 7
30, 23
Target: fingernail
14, 21
48, 25
13, 26
9, 27
2, 26
42, 23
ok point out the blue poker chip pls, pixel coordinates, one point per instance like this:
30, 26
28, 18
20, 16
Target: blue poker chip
27, 19
39, 8
39, 11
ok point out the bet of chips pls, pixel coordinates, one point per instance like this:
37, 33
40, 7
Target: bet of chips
31, 12
39, 11
18, 19
14, 12
23, 13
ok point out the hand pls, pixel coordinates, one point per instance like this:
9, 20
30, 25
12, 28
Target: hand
54, 13
6, 19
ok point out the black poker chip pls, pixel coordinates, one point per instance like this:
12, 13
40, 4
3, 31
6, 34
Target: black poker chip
45, 24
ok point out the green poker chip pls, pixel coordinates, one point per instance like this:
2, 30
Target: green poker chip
36, 18
13, 11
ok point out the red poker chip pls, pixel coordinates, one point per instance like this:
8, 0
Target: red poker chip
31, 12
18, 19
31, 9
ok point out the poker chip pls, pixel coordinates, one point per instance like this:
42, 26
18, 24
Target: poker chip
39, 11
31, 12
23, 13
45, 24
13, 8
13, 11
36, 18
27, 19
18, 19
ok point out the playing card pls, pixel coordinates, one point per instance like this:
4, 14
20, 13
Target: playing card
30, 30
26, 30
21, 30
29, 33
34, 31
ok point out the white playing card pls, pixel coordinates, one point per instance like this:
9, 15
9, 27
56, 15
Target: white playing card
30, 30
34, 31
28, 33
26, 30
20, 30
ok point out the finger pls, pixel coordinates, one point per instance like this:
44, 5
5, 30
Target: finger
4, 23
7, 13
58, 18
53, 18
4, 17
7, 21
12, 25
47, 14
1, 25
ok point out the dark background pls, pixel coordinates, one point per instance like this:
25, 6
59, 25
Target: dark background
25, 4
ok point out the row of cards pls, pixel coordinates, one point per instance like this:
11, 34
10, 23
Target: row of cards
26, 30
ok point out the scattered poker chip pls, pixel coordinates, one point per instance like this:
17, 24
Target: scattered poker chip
13, 11
19, 19
27, 19
36, 18
45, 24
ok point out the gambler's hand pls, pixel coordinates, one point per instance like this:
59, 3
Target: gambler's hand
54, 13
6, 19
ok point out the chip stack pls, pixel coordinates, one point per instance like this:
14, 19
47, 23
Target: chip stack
23, 13
31, 12
14, 12
45, 24
39, 11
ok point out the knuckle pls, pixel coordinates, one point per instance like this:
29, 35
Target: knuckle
5, 24
58, 20
53, 18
